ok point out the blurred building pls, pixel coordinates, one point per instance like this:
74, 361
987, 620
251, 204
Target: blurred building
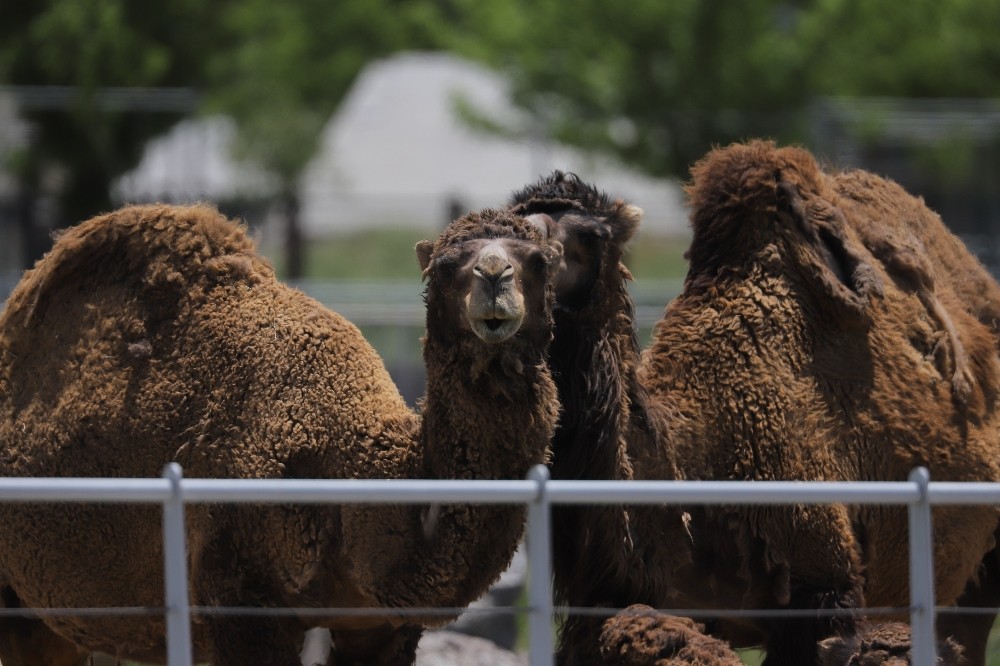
13, 138
396, 153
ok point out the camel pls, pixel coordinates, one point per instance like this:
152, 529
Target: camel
885, 644
919, 252
156, 333
639, 636
792, 353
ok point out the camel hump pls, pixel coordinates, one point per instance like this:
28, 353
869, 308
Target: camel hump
159, 247
747, 177
747, 199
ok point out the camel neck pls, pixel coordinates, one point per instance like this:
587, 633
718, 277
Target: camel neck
478, 422
488, 413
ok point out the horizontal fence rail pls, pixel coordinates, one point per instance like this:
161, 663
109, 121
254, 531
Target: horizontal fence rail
538, 492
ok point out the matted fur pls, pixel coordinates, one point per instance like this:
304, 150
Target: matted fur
593, 359
640, 636
883, 645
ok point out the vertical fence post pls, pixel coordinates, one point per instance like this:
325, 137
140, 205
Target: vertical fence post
175, 576
540, 572
921, 574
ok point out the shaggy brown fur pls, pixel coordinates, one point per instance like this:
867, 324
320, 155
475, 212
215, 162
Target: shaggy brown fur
919, 252
794, 354
821, 367
640, 636
882, 645
593, 359
157, 334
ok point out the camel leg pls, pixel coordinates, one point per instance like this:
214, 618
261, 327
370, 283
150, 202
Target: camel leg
793, 641
239, 641
26, 641
973, 631
384, 646
579, 641
30, 642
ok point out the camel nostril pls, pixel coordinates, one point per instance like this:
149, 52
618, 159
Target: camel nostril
494, 275
494, 266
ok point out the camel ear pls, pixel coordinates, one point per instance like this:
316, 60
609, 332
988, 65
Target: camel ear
836, 650
626, 222
544, 223
842, 270
424, 249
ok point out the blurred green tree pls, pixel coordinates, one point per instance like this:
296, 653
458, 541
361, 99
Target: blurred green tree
280, 69
76, 59
942, 48
658, 83
283, 69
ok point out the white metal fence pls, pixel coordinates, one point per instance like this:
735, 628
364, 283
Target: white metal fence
173, 492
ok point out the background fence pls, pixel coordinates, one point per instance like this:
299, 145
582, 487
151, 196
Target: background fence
538, 492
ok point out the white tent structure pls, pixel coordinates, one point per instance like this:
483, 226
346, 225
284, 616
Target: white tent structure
397, 153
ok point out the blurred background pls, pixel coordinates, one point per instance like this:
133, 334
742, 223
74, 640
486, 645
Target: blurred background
343, 132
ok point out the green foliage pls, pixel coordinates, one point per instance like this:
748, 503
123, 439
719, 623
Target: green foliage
653, 82
87, 45
658, 83
282, 68
927, 49
279, 68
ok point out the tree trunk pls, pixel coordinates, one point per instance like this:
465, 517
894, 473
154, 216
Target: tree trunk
294, 243
34, 239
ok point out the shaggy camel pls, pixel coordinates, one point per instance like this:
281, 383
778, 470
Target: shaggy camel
883, 645
157, 334
791, 354
593, 363
639, 636
919, 252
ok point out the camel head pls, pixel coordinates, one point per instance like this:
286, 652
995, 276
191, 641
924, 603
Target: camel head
882, 645
592, 228
490, 273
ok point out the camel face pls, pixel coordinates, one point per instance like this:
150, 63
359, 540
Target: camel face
495, 287
583, 237
591, 227
494, 303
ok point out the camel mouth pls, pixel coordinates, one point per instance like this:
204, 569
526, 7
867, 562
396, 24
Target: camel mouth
495, 329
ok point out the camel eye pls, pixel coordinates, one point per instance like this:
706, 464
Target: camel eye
538, 262
446, 264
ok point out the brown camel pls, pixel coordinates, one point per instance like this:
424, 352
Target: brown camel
157, 334
793, 353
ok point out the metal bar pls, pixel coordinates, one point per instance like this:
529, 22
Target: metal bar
60, 489
733, 492
542, 644
537, 491
358, 491
175, 574
64, 98
942, 493
921, 574
403, 491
